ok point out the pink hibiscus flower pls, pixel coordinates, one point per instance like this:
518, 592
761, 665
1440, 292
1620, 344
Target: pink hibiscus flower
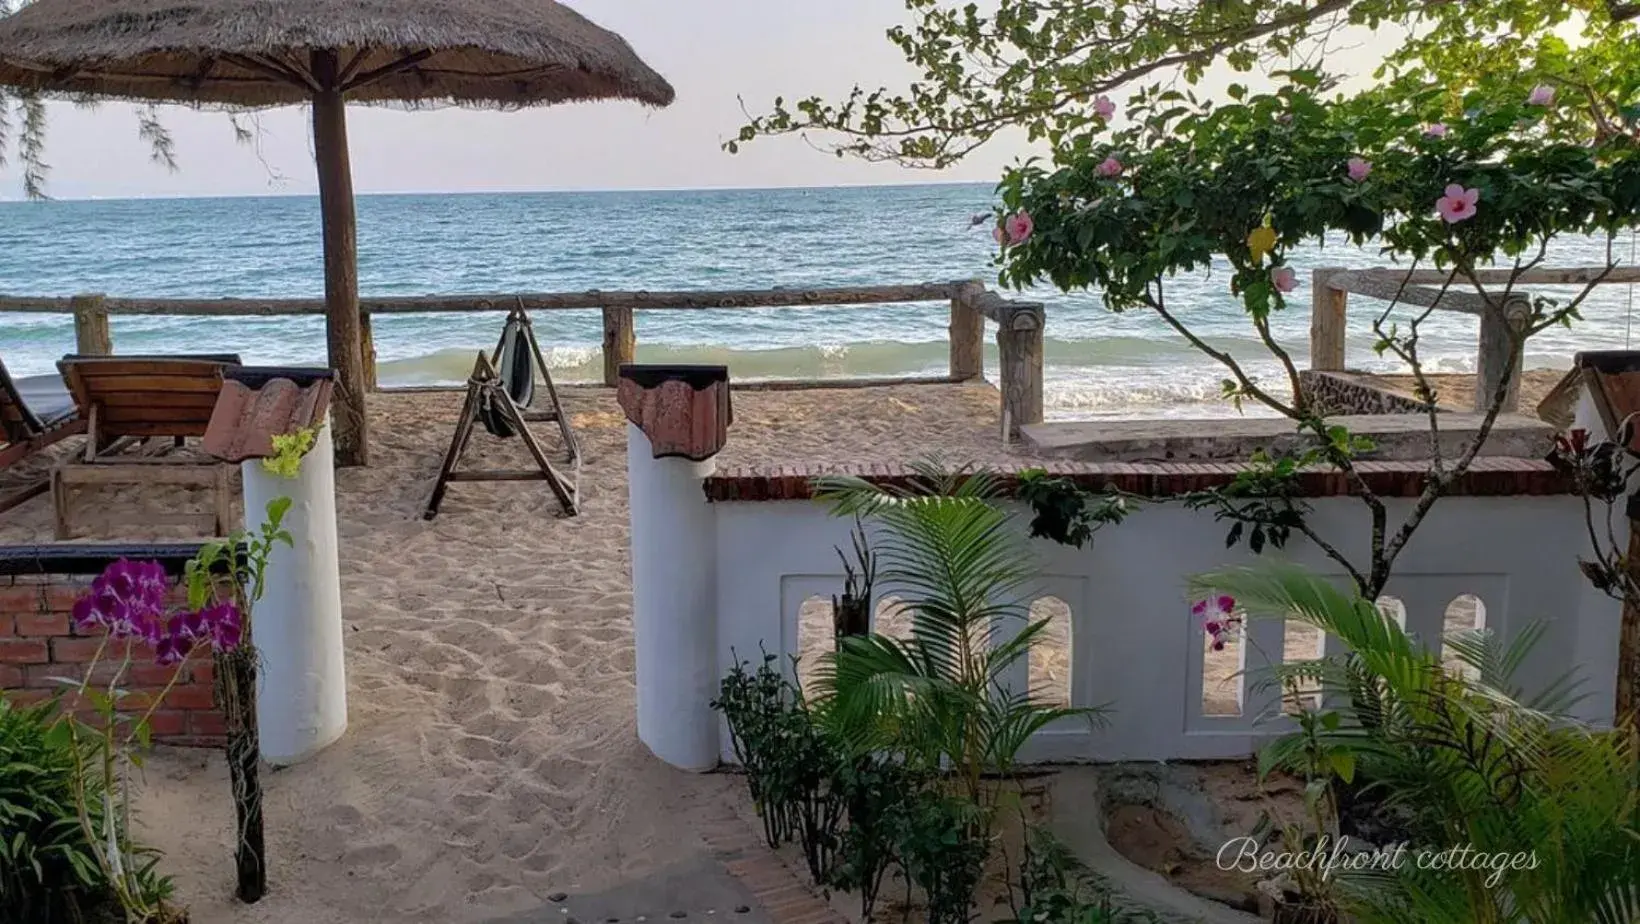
1458, 203
1435, 130
1359, 168
1020, 227
1110, 167
1284, 278
1542, 95
1103, 105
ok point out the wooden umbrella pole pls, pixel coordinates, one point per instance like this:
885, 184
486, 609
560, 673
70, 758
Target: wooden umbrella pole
343, 327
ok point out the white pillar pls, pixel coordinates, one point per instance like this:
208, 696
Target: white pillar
301, 700
674, 571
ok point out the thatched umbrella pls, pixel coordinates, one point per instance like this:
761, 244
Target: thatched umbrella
262, 53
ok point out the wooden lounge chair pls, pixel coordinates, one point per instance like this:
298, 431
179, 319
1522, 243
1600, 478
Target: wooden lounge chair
137, 410
35, 412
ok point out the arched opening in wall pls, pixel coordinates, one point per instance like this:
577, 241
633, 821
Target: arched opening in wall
892, 618
1463, 614
1049, 657
1300, 642
1223, 681
815, 629
1395, 609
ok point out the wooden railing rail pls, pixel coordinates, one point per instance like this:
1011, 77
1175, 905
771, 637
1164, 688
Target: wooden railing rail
1502, 317
1019, 334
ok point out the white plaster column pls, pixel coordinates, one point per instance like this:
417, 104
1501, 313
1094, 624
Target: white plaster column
301, 702
674, 592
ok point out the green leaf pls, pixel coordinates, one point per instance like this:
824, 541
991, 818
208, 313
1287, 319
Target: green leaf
1343, 764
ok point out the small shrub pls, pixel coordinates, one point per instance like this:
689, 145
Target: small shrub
1057, 888
790, 767
48, 870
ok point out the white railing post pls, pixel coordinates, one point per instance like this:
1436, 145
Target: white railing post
301, 707
677, 420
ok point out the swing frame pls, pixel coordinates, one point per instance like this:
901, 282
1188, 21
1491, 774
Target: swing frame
485, 385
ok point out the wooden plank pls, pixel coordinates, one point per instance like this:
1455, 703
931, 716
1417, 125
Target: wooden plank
59, 504
198, 522
195, 400
1021, 351
1004, 311
822, 384
1329, 309
91, 334
1542, 276
116, 416
1389, 286
158, 384
506, 475
754, 385
684, 300
620, 343
967, 334
367, 350
157, 472
1499, 349
181, 367
150, 429
559, 486
458, 440
24, 494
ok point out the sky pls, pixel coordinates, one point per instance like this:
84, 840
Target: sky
712, 51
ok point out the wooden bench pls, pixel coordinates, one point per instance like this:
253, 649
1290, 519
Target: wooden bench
140, 412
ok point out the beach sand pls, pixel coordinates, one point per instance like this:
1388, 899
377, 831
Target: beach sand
491, 757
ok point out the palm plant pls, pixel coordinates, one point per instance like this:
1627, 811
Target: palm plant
939, 706
940, 700
1547, 807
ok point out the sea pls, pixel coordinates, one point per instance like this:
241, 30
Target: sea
1099, 364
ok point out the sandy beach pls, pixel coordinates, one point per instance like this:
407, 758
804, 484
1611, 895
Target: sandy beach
491, 757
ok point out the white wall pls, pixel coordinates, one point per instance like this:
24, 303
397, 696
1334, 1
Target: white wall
1134, 643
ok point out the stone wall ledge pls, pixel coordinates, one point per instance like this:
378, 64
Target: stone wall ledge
1488, 476
1395, 437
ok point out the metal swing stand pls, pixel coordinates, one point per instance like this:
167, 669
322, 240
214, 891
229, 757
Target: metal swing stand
493, 400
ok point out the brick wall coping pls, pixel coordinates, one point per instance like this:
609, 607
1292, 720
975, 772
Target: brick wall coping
1487, 476
91, 558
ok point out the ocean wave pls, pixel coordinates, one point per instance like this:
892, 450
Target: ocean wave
867, 358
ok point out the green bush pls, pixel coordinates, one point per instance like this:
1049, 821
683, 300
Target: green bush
48, 872
1466, 759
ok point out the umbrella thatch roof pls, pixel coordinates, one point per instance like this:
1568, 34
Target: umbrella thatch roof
255, 53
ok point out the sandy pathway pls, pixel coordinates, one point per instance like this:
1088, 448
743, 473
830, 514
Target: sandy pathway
491, 757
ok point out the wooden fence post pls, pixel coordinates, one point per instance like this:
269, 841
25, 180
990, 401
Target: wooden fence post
91, 334
1328, 312
1501, 340
620, 343
1019, 340
367, 349
967, 334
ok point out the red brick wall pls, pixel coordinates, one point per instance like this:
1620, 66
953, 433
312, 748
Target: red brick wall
38, 645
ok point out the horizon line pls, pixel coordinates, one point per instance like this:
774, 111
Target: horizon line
496, 192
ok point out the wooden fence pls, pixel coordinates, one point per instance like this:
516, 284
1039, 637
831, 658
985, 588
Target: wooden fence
1501, 318
1019, 324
